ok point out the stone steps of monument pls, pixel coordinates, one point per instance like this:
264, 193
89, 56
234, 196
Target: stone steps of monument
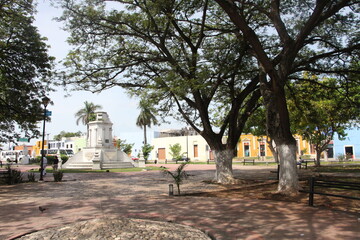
108, 165
80, 166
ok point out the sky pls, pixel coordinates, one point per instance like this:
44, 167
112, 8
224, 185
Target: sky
121, 109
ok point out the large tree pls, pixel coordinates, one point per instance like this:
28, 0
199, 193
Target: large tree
319, 109
24, 70
182, 55
146, 117
288, 37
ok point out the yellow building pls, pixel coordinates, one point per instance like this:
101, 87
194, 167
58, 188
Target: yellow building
252, 146
38, 146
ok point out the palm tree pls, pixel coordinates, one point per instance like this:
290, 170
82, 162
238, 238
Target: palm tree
179, 175
146, 117
85, 114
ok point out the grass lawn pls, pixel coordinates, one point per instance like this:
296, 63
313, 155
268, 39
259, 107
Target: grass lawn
50, 170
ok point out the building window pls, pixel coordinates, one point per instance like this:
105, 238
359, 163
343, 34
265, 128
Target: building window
262, 149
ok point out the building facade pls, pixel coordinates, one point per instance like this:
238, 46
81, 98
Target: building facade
193, 146
349, 147
253, 146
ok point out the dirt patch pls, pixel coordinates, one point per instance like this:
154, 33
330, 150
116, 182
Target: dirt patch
266, 190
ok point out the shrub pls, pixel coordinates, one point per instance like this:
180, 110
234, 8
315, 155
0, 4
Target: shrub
31, 177
64, 158
13, 176
58, 175
341, 157
50, 159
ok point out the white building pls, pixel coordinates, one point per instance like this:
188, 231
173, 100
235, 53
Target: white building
74, 143
193, 146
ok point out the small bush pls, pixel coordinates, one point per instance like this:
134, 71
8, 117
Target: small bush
341, 157
31, 177
64, 158
13, 176
58, 175
50, 159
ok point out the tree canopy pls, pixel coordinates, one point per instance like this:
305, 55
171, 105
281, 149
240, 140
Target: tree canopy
124, 146
62, 134
318, 111
25, 70
182, 56
86, 114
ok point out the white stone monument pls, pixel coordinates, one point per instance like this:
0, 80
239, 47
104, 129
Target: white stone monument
100, 152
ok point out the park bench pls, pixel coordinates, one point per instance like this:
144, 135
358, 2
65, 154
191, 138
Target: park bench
304, 162
247, 160
321, 183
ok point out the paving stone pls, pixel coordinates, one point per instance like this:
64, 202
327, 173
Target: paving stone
121, 229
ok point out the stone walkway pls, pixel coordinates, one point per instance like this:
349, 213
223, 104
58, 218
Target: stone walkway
144, 195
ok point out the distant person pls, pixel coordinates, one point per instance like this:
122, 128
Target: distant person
56, 163
44, 166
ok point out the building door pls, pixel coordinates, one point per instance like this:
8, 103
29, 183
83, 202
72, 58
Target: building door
161, 154
246, 150
349, 152
196, 154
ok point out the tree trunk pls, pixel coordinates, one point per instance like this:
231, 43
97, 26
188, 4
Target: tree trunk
288, 177
145, 140
318, 156
273, 150
223, 160
278, 129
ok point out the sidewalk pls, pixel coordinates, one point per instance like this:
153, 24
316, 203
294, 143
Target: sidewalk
143, 195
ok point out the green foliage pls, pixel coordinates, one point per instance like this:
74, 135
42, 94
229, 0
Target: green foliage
31, 177
58, 175
146, 150
64, 158
178, 176
256, 124
175, 151
13, 176
64, 134
146, 117
50, 159
321, 108
86, 114
123, 146
25, 71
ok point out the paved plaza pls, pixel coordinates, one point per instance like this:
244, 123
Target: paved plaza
138, 203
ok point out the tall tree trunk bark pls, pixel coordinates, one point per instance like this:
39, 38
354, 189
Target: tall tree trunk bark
145, 139
278, 128
223, 160
288, 177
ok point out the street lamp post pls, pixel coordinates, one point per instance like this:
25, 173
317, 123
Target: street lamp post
45, 102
